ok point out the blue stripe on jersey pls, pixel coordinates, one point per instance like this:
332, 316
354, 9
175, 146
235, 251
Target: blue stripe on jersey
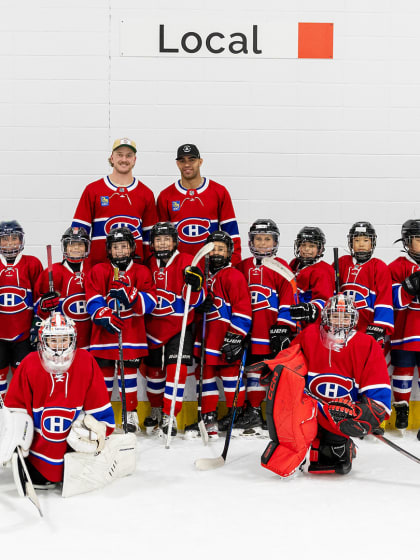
378, 393
86, 225
149, 303
230, 227
384, 315
133, 223
105, 414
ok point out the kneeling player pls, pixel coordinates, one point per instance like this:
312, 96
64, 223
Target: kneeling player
345, 371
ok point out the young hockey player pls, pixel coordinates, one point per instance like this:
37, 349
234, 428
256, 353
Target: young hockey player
18, 275
368, 281
405, 341
314, 277
272, 327
68, 296
49, 392
134, 294
227, 324
172, 273
345, 370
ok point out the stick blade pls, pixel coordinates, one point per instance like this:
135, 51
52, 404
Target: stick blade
276, 266
203, 432
209, 463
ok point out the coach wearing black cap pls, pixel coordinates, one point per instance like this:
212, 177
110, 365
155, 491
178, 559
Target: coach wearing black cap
197, 206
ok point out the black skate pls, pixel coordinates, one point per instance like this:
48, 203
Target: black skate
224, 422
151, 423
401, 419
165, 424
333, 454
210, 421
250, 423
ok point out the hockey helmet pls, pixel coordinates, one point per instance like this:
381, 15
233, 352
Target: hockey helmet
117, 235
164, 228
338, 319
57, 343
310, 234
410, 229
11, 231
71, 235
264, 226
217, 261
364, 229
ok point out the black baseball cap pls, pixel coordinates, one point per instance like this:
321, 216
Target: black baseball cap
190, 150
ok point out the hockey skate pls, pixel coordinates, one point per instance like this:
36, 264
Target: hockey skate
224, 422
249, 424
133, 425
332, 455
401, 419
151, 423
164, 426
210, 421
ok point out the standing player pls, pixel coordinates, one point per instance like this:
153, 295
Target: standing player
405, 341
368, 281
136, 295
227, 324
272, 327
68, 296
197, 206
172, 272
118, 200
314, 277
18, 275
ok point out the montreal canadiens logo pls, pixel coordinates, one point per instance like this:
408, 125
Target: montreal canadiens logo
74, 307
360, 294
329, 386
193, 230
56, 423
165, 303
259, 297
133, 224
12, 299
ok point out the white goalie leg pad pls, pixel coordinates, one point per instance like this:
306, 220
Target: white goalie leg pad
16, 430
84, 472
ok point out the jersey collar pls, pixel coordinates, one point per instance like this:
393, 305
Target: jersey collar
198, 191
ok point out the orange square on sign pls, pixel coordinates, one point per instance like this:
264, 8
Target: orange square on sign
315, 40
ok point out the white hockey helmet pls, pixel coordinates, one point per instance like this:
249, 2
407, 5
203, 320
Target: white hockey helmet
57, 343
338, 319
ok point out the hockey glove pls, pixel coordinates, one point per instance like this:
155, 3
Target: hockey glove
33, 332
87, 435
280, 338
49, 302
355, 419
105, 318
194, 277
232, 346
206, 306
412, 284
304, 312
124, 293
378, 333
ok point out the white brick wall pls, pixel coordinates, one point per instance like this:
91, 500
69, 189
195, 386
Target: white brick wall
323, 142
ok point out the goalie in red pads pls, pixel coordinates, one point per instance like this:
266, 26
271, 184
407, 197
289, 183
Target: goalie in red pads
331, 385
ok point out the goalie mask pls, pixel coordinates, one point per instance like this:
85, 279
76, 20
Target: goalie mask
338, 319
309, 245
263, 238
57, 343
163, 248
12, 239
410, 237
75, 244
222, 252
120, 247
363, 230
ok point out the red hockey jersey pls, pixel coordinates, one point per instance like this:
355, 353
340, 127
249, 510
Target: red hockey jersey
315, 282
371, 287
271, 298
197, 213
104, 206
17, 285
70, 286
104, 344
165, 320
406, 334
54, 402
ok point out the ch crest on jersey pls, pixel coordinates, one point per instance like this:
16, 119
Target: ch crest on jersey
215, 312
13, 299
74, 307
165, 304
56, 423
193, 230
130, 222
260, 297
330, 386
360, 295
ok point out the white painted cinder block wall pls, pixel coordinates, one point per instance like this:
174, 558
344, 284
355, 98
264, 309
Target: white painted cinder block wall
324, 142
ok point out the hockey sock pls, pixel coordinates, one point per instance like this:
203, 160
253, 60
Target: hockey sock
255, 393
108, 373
229, 377
130, 376
169, 388
210, 395
155, 386
3, 380
402, 381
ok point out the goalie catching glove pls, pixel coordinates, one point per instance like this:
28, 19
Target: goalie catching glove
87, 435
308, 312
355, 419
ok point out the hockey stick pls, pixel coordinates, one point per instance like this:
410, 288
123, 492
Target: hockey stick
28, 488
206, 464
201, 426
205, 250
50, 269
121, 360
336, 270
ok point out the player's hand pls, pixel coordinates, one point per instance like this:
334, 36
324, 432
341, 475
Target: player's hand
280, 338
33, 332
377, 332
206, 306
49, 302
232, 346
194, 277
412, 284
308, 312
124, 293
105, 318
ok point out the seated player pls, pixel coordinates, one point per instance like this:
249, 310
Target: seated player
172, 272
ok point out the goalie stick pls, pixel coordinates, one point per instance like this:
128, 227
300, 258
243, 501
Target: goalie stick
121, 360
205, 250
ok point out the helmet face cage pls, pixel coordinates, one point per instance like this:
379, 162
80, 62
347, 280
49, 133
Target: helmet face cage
57, 343
7, 231
410, 230
163, 228
362, 229
75, 234
116, 236
310, 235
263, 227
217, 262
338, 318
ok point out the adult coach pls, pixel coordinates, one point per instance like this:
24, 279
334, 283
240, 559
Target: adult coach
118, 200
197, 206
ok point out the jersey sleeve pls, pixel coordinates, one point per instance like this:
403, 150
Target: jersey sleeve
383, 310
374, 377
322, 283
84, 214
96, 290
229, 224
147, 299
149, 219
240, 302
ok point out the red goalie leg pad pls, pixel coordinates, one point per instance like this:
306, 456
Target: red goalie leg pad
292, 422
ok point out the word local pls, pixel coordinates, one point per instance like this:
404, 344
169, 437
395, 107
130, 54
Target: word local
192, 42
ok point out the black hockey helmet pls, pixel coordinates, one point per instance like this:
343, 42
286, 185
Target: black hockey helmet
310, 234
11, 228
216, 262
263, 226
71, 235
117, 235
163, 228
410, 229
364, 229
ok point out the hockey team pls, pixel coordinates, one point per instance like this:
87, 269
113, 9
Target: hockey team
317, 334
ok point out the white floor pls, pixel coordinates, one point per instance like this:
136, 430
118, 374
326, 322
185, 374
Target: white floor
168, 509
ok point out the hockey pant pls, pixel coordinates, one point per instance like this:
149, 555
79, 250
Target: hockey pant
229, 376
130, 376
160, 387
404, 362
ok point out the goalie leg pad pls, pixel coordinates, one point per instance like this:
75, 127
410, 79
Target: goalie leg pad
84, 472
